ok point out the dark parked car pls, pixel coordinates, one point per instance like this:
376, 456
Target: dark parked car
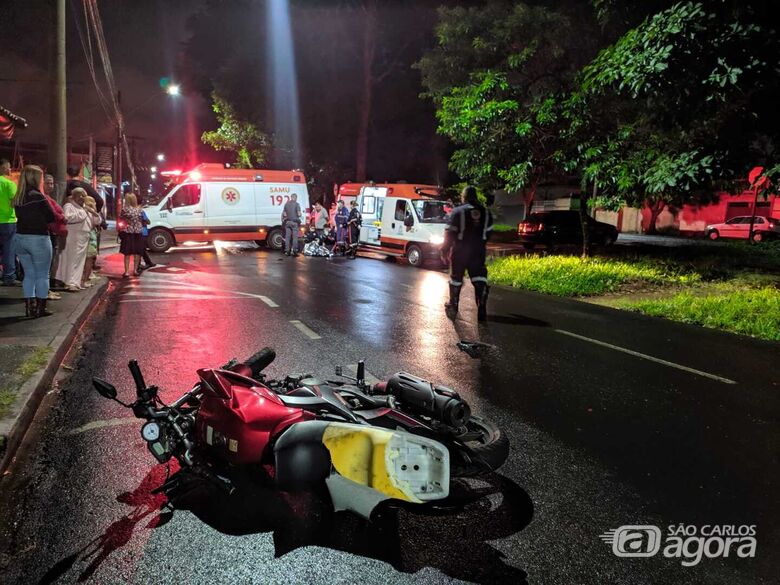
551, 228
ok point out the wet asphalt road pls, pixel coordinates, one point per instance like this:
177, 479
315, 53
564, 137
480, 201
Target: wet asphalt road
682, 431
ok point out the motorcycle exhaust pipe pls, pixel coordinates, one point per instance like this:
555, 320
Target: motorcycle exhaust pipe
422, 397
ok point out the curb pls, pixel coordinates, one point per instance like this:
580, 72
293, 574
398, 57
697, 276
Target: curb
32, 391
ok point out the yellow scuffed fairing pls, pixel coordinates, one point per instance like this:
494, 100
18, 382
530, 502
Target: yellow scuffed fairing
359, 454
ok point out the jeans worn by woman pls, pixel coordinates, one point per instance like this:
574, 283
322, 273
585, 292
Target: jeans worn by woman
34, 252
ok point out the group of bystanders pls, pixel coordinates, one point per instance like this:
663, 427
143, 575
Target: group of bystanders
56, 247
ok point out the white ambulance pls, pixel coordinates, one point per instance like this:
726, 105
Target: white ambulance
216, 203
405, 220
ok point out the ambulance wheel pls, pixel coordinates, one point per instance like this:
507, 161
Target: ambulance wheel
160, 240
414, 255
275, 239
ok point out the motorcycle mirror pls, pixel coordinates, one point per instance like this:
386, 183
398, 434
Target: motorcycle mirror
339, 370
105, 389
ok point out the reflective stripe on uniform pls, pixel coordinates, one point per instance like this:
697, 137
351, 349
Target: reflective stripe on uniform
479, 279
456, 283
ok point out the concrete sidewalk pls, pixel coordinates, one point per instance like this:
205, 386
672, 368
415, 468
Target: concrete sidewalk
31, 351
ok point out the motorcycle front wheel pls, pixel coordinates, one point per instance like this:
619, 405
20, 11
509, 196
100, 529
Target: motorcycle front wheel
489, 450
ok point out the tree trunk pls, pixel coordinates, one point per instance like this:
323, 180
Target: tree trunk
655, 210
366, 97
584, 220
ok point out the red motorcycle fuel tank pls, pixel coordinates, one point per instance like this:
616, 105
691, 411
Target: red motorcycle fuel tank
239, 417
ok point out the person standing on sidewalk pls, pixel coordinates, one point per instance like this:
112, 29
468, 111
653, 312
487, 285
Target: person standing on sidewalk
7, 224
464, 247
58, 232
33, 243
132, 244
291, 222
75, 253
75, 183
92, 252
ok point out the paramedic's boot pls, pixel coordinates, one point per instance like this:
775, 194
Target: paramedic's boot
481, 290
451, 307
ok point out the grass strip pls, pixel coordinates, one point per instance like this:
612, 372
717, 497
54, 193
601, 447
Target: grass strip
573, 276
37, 360
754, 312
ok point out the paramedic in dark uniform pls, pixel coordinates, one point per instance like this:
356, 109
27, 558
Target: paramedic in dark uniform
354, 222
464, 245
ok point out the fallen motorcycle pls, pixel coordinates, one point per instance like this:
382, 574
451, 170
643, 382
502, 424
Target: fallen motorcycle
403, 439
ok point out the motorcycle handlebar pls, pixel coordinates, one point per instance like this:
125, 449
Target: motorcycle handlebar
138, 377
261, 360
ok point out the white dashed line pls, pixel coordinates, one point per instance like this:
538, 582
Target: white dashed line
648, 357
268, 301
182, 298
305, 330
102, 424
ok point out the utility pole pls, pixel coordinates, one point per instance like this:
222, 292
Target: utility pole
58, 138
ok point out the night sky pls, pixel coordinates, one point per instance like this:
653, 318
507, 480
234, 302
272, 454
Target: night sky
144, 37
148, 40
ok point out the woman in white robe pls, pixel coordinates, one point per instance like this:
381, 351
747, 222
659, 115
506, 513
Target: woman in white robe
80, 223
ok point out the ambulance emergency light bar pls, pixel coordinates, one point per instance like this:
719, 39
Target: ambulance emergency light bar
225, 173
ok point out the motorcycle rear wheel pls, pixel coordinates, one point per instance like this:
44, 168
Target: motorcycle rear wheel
488, 453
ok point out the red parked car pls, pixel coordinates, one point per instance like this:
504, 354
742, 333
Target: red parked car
764, 228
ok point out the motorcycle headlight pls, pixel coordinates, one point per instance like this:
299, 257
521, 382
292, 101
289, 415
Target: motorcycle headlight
437, 240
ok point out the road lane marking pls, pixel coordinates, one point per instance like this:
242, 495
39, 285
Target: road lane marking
183, 298
183, 289
183, 295
102, 424
648, 357
305, 330
268, 301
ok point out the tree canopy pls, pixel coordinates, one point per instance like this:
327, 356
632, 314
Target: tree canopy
662, 102
249, 144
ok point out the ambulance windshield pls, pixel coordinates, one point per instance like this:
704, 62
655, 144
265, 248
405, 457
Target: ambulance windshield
430, 211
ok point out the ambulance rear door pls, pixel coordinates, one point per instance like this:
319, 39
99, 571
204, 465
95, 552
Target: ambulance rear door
371, 203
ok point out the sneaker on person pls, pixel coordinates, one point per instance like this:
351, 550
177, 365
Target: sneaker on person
53, 296
71, 288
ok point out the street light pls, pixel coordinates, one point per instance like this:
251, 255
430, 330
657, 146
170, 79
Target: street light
161, 157
153, 169
154, 176
173, 89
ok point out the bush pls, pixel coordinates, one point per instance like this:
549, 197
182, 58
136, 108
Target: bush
753, 312
504, 227
572, 276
